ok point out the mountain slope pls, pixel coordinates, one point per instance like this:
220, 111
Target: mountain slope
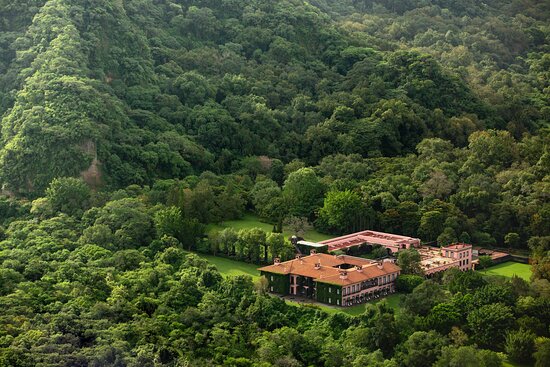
125, 92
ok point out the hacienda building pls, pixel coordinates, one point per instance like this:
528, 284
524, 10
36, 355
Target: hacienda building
433, 259
339, 280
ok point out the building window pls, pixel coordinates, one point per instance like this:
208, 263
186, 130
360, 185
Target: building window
271, 289
329, 290
338, 302
337, 291
330, 300
344, 291
272, 278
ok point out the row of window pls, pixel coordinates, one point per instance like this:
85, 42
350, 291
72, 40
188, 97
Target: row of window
357, 287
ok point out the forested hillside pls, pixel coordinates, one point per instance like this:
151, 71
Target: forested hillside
131, 128
129, 92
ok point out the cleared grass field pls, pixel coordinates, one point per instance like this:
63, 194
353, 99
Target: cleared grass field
509, 269
392, 300
228, 267
252, 221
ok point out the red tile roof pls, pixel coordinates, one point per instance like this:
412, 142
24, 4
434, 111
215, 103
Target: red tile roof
367, 272
372, 237
328, 271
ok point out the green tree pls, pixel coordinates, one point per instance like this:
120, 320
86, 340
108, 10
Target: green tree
263, 193
275, 244
431, 224
69, 195
467, 356
520, 346
543, 352
407, 283
342, 210
489, 324
485, 261
409, 262
168, 222
422, 348
303, 193
424, 297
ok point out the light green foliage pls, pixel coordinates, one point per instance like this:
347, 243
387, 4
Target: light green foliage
303, 192
343, 211
485, 262
68, 195
467, 356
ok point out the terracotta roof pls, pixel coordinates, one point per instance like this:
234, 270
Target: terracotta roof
372, 237
368, 272
328, 271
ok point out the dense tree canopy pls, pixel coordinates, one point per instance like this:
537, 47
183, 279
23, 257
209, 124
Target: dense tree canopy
131, 131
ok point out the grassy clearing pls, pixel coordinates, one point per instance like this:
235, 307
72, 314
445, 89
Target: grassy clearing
249, 221
392, 300
508, 363
228, 267
509, 269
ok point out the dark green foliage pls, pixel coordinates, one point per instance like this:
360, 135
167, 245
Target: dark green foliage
520, 346
407, 283
409, 262
424, 297
422, 348
134, 124
488, 324
467, 281
141, 91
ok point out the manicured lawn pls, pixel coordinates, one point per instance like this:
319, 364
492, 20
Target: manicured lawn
228, 267
354, 310
392, 300
510, 268
507, 363
252, 221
